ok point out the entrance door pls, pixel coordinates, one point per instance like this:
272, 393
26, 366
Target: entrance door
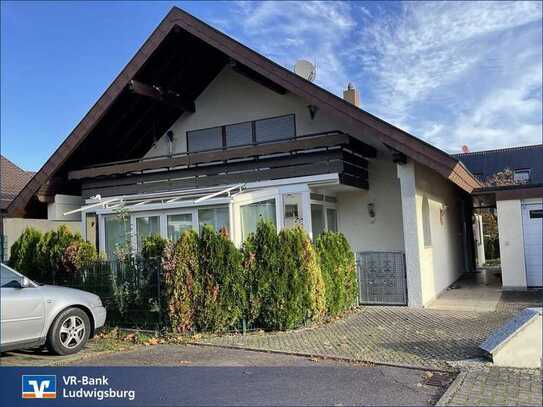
532, 225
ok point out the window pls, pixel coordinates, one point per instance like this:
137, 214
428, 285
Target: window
426, 229
331, 218
317, 219
239, 134
521, 176
117, 233
206, 139
218, 217
536, 214
251, 214
277, 128
177, 224
146, 226
8, 278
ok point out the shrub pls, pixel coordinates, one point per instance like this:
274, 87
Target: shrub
24, 253
223, 301
298, 291
261, 254
153, 246
182, 281
338, 270
51, 250
78, 255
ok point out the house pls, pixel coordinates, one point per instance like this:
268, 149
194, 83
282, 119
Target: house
199, 129
12, 180
518, 207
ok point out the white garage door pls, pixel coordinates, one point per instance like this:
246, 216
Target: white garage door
532, 219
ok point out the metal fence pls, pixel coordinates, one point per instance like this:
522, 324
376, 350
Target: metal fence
381, 278
4, 255
130, 290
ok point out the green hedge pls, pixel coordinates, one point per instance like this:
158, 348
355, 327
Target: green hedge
153, 246
24, 253
223, 302
338, 268
181, 266
51, 257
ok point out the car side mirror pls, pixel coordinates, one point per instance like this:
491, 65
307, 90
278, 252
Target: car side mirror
24, 283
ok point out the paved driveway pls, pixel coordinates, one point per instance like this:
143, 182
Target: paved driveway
216, 376
394, 335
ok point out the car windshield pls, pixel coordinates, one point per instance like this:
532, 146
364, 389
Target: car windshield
8, 277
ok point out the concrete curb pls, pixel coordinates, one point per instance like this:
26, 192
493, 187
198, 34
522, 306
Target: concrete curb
327, 357
453, 388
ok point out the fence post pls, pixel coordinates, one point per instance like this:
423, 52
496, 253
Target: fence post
159, 299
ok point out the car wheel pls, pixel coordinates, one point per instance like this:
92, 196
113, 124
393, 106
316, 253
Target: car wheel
69, 332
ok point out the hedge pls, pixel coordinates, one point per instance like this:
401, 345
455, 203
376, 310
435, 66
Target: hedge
223, 301
24, 253
51, 257
338, 269
182, 281
261, 255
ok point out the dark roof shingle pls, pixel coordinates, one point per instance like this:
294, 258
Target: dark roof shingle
484, 164
12, 180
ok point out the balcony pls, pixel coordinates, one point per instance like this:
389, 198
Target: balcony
312, 154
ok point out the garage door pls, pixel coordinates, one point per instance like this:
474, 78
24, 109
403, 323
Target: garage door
532, 219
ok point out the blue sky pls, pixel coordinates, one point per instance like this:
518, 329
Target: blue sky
450, 73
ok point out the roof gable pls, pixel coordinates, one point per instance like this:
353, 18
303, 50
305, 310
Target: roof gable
12, 180
225, 50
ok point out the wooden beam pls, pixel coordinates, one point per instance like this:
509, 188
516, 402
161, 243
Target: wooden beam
168, 97
307, 143
255, 76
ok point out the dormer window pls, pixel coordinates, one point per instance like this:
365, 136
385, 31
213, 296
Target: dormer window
521, 176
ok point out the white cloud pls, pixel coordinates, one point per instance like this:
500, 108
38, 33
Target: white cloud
288, 31
431, 45
451, 73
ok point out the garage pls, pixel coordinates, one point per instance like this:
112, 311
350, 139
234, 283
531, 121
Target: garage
532, 225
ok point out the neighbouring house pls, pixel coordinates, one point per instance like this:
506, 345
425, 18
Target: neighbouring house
517, 201
199, 129
12, 180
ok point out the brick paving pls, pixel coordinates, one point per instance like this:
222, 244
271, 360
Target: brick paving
394, 335
495, 386
515, 301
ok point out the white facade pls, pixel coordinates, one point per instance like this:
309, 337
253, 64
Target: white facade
387, 217
432, 222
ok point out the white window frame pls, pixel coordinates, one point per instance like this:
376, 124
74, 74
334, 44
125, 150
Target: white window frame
522, 171
256, 191
325, 205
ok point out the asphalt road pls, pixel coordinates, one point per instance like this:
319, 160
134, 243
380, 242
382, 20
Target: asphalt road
214, 376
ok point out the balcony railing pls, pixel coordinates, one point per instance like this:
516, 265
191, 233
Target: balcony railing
329, 152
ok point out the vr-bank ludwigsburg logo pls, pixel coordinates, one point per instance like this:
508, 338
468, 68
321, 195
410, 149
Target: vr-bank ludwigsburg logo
39, 387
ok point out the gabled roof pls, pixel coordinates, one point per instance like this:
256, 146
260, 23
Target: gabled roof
231, 50
12, 181
487, 163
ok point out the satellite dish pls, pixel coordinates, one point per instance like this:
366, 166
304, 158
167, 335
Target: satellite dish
305, 69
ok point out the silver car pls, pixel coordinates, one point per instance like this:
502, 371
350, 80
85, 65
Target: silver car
33, 315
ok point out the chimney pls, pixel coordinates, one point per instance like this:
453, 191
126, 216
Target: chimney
351, 95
